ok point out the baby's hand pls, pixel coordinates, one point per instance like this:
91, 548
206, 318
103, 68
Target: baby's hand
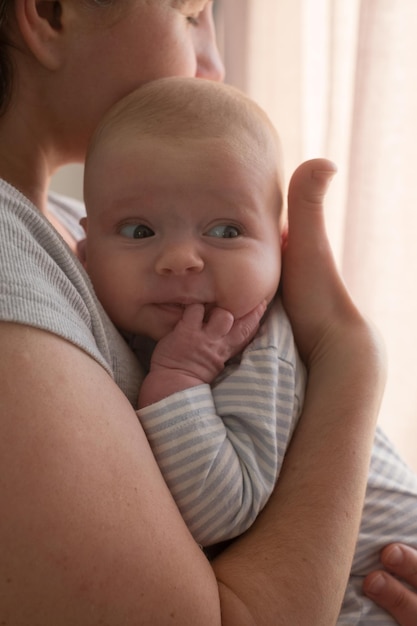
196, 350
200, 347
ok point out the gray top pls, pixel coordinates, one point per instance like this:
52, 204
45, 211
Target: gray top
43, 284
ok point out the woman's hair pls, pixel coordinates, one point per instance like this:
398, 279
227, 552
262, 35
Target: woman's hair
6, 65
6, 72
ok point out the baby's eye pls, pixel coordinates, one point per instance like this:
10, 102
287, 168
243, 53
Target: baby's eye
136, 231
224, 231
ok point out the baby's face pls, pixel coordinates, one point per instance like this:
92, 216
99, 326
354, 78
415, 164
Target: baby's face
173, 224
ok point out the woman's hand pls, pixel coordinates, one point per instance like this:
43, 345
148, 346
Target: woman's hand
315, 297
390, 593
311, 521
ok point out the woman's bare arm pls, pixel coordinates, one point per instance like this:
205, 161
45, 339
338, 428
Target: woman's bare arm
311, 521
310, 525
89, 531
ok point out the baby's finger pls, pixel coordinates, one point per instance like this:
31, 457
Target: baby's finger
193, 315
246, 327
219, 323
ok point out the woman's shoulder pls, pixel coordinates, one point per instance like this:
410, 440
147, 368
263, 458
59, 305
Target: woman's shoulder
42, 284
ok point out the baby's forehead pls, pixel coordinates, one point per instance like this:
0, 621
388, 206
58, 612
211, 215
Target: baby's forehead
187, 107
250, 142
186, 112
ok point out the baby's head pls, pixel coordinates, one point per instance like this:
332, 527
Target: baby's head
185, 113
183, 181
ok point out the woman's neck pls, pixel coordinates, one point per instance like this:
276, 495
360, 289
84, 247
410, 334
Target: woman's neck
35, 188
28, 157
26, 174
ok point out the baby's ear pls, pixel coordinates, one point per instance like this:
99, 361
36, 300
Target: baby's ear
84, 223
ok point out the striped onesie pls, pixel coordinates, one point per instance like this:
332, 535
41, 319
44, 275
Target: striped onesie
221, 447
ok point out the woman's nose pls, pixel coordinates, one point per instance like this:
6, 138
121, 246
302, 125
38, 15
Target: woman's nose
209, 61
180, 259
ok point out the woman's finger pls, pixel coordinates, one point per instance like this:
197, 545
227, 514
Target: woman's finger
388, 591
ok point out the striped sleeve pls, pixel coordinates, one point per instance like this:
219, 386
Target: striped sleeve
220, 449
389, 514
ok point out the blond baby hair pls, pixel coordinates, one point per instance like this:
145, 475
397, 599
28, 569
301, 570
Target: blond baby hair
183, 109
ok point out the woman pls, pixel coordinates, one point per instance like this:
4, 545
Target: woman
89, 533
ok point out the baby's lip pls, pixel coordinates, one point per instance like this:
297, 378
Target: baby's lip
182, 303
173, 305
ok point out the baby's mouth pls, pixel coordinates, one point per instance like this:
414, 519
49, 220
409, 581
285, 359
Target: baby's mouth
176, 307
171, 306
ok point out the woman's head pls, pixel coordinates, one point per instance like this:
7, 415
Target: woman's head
65, 62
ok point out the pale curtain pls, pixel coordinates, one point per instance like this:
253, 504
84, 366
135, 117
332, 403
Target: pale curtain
339, 79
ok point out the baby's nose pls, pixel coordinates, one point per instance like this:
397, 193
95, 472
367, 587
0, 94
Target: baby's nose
179, 259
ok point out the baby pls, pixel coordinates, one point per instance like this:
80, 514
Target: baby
184, 196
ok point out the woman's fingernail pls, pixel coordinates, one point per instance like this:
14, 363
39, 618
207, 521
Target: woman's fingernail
393, 556
377, 584
323, 175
